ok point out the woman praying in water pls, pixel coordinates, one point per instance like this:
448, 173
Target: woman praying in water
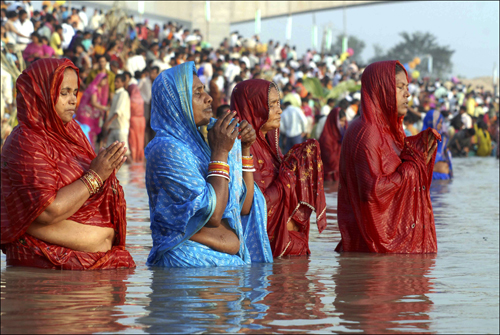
292, 185
62, 206
384, 203
204, 208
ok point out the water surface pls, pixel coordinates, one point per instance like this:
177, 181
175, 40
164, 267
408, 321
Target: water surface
453, 291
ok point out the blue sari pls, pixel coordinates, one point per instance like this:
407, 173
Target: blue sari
181, 201
431, 120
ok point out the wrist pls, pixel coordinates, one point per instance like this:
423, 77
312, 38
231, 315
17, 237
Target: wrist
219, 155
245, 151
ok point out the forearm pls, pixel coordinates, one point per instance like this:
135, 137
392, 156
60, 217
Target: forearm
68, 201
249, 183
221, 188
74, 235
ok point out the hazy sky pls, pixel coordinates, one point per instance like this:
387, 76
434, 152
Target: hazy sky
469, 28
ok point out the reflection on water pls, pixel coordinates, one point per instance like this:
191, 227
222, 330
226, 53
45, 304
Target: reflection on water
384, 293
62, 301
456, 290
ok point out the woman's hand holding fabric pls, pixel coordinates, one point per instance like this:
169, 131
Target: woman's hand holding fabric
431, 146
222, 136
109, 159
247, 135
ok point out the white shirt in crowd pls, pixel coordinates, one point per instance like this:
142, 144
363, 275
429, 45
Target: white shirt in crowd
145, 86
83, 18
68, 33
6, 87
293, 122
120, 105
349, 114
466, 120
136, 63
26, 28
95, 21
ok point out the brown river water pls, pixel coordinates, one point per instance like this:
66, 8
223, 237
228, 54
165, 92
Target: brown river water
453, 291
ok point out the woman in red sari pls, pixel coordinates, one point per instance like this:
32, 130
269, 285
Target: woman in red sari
137, 123
292, 185
330, 142
384, 203
62, 207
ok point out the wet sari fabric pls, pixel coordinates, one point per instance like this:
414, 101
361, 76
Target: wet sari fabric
137, 123
41, 156
181, 201
292, 185
330, 142
384, 203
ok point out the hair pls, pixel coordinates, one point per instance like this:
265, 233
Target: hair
11, 14
463, 108
138, 74
114, 63
22, 12
42, 38
341, 114
127, 74
471, 131
330, 100
157, 69
343, 104
221, 110
98, 58
121, 76
35, 34
399, 68
286, 104
306, 100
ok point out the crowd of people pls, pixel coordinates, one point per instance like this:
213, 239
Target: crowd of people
244, 189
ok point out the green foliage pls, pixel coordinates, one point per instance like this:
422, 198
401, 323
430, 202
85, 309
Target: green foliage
313, 85
419, 44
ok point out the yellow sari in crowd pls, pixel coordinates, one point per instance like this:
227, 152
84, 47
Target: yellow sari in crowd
483, 142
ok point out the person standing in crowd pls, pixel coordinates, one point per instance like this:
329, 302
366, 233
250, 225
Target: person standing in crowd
102, 61
460, 144
443, 168
25, 27
325, 111
292, 184
137, 120
484, 145
93, 107
36, 50
62, 205
466, 118
383, 202
117, 125
56, 40
214, 90
12, 29
330, 143
293, 125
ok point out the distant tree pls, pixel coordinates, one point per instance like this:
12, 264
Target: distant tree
353, 42
419, 44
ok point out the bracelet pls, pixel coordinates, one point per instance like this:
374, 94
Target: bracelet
92, 181
215, 174
247, 162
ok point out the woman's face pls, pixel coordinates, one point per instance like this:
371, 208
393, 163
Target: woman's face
103, 82
274, 119
66, 102
202, 103
402, 93
342, 122
439, 126
35, 39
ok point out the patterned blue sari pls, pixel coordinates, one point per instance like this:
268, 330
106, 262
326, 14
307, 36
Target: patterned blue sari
181, 201
431, 120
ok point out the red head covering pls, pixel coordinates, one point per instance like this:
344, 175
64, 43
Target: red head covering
250, 99
378, 99
330, 142
42, 155
384, 203
292, 185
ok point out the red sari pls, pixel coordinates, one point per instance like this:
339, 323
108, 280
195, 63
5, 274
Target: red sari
292, 185
330, 142
41, 156
137, 124
384, 203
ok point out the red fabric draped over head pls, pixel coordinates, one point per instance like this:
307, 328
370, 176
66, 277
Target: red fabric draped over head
42, 155
330, 142
384, 202
292, 185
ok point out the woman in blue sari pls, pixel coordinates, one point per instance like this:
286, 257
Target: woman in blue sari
443, 168
199, 220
